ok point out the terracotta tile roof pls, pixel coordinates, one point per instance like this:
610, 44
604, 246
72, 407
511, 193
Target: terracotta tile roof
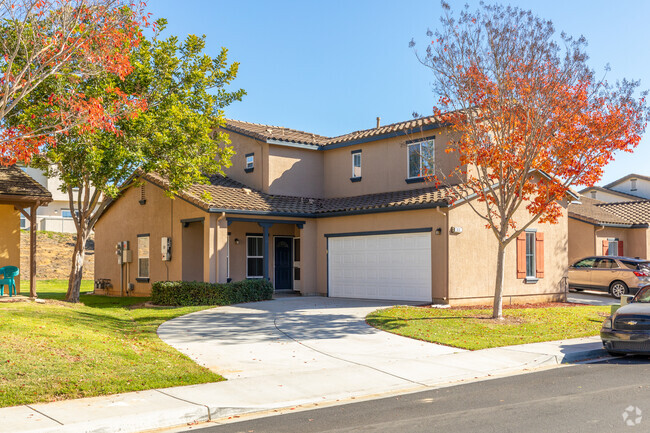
636, 212
626, 213
226, 194
14, 181
269, 132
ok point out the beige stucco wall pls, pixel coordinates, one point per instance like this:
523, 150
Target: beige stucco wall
10, 242
414, 219
383, 165
295, 171
243, 145
160, 216
581, 240
473, 262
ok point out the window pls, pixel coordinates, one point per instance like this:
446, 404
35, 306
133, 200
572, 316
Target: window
606, 264
421, 159
632, 184
250, 162
254, 257
612, 247
143, 257
66, 213
356, 165
530, 255
23, 221
585, 263
593, 194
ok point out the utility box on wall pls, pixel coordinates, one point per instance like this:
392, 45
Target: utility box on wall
166, 248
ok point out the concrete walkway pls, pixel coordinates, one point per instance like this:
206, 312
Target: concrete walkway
285, 353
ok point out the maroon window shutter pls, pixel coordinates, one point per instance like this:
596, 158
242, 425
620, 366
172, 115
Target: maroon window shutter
621, 251
521, 255
539, 254
605, 247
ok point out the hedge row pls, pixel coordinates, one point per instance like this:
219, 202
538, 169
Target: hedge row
184, 293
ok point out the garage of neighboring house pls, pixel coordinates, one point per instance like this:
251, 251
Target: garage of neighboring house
391, 266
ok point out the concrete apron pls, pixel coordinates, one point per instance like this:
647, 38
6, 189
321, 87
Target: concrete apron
285, 353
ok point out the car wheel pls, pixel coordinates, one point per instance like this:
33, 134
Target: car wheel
618, 289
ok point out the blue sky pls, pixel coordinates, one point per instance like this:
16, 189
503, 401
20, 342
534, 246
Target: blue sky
332, 67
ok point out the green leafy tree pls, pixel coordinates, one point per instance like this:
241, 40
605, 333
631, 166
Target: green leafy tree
162, 119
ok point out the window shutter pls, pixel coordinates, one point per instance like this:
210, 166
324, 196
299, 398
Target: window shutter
539, 255
620, 248
521, 255
605, 246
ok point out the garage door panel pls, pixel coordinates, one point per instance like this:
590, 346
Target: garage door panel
395, 266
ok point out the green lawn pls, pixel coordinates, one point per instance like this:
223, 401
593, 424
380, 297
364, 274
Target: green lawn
56, 350
474, 329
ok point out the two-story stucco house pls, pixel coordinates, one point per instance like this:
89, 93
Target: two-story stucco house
348, 216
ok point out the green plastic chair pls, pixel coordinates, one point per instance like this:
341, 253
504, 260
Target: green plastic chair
8, 274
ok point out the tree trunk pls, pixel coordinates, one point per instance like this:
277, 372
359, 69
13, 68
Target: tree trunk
497, 310
76, 273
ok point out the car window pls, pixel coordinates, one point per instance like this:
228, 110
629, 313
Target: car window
606, 264
636, 265
643, 295
585, 263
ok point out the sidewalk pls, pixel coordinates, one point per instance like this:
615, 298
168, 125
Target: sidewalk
137, 411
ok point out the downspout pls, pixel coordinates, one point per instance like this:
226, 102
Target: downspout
596, 240
446, 233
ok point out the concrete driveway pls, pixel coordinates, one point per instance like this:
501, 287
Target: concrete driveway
298, 335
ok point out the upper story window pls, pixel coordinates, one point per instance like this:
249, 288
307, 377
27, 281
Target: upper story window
356, 165
421, 159
250, 162
632, 184
593, 194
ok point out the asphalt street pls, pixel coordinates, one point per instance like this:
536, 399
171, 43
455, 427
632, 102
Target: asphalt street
607, 396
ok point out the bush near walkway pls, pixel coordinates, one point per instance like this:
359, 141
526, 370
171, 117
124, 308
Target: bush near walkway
475, 329
103, 345
183, 293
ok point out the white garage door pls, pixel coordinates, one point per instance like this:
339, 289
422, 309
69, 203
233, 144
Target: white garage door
393, 266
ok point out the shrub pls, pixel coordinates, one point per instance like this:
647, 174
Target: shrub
184, 293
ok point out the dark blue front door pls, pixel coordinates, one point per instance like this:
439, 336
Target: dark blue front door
283, 263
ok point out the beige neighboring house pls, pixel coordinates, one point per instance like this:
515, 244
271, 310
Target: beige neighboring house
614, 229
349, 216
56, 217
628, 188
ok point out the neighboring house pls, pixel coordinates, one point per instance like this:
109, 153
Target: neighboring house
18, 193
348, 216
628, 188
56, 217
615, 229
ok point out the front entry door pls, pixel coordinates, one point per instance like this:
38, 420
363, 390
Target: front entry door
283, 263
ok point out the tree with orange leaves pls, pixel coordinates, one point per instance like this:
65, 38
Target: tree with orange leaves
531, 118
46, 38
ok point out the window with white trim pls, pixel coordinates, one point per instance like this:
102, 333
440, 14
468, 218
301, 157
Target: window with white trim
143, 256
254, 257
250, 161
632, 184
421, 159
356, 165
612, 247
531, 263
